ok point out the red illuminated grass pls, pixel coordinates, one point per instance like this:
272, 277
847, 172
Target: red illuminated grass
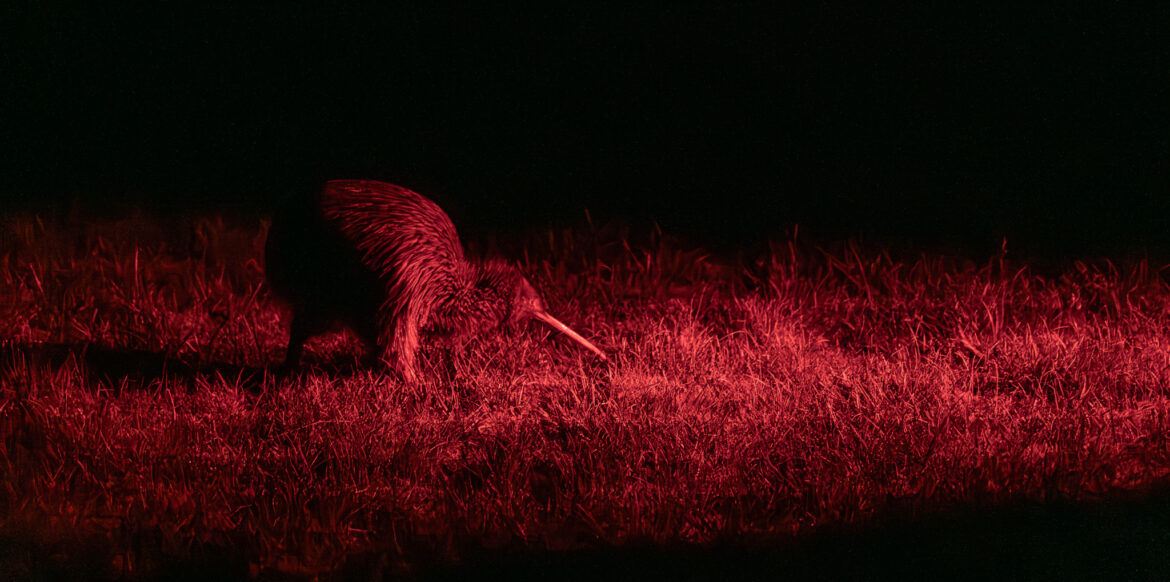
743, 405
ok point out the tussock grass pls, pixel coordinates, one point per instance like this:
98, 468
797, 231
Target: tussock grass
746, 403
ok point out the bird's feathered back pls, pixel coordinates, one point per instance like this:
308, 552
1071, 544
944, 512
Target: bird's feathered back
407, 240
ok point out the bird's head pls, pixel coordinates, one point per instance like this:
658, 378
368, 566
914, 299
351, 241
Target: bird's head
522, 302
525, 301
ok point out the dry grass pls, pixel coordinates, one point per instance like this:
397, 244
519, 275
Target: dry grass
747, 405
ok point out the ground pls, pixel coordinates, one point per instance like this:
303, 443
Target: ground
818, 409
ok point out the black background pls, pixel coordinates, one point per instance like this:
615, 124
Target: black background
727, 123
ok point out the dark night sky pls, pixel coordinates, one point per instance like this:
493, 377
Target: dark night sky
726, 123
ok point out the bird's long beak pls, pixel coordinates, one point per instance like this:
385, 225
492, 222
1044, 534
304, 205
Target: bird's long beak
556, 324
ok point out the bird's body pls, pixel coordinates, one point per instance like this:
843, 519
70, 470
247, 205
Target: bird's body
388, 262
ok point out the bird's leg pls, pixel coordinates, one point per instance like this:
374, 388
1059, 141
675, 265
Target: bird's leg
398, 350
303, 326
367, 330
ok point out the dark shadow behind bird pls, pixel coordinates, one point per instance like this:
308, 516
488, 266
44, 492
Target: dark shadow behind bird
387, 262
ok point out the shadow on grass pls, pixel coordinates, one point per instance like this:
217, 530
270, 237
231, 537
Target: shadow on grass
1107, 540
125, 368
21, 559
1100, 541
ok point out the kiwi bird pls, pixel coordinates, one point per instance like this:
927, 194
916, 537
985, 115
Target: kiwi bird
386, 261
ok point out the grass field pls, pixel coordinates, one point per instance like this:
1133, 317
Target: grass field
804, 411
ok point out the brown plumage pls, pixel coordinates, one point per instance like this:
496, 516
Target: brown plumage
387, 261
